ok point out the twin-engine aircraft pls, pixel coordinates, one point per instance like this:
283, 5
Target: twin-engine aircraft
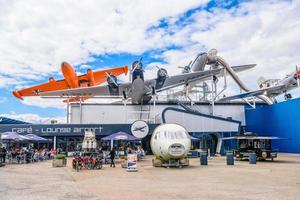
72, 81
139, 90
271, 87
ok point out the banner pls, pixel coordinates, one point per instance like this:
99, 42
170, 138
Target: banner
132, 162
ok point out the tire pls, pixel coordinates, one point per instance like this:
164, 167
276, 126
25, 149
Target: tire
99, 166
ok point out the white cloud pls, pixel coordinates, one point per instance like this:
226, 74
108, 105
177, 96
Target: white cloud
261, 32
34, 118
36, 36
85, 67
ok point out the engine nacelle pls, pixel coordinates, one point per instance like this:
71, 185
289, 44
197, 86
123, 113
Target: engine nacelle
186, 69
162, 74
90, 77
70, 75
137, 70
112, 80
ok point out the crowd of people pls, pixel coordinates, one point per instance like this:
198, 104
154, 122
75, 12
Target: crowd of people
25, 155
22, 155
121, 151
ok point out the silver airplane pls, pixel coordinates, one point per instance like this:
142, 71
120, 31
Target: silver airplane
139, 90
271, 88
142, 129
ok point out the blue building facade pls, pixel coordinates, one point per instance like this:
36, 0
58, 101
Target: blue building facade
281, 120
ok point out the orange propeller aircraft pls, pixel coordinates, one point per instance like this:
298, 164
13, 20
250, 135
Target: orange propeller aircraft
71, 81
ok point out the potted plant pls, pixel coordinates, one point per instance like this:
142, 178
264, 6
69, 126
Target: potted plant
60, 160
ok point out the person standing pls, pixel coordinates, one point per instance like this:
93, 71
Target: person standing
112, 155
3, 154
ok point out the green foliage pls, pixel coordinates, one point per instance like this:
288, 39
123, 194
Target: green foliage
60, 156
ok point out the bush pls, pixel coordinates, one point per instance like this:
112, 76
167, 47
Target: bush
60, 156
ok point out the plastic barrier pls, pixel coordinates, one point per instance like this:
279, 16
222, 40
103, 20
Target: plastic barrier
252, 158
203, 158
229, 158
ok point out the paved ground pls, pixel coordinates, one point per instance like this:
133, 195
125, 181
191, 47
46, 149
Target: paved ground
266, 180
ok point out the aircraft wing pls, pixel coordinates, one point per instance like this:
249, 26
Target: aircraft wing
188, 78
169, 82
106, 90
36, 90
53, 85
270, 91
101, 75
99, 91
181, 79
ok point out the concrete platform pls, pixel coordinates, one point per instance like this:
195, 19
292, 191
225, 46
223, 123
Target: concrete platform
266, 180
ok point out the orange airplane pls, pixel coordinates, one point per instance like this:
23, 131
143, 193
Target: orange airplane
71, 81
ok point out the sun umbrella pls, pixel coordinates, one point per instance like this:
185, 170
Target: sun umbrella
12, 136
34, 137
119, 136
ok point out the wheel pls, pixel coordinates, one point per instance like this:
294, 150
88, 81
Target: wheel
99, 165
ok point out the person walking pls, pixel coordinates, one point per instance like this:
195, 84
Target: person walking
112, 155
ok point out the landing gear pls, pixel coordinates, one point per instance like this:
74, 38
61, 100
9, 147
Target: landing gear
287, 96
171, 163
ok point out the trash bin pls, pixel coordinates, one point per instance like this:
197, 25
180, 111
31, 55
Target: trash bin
229, 158
252, 158
203, 158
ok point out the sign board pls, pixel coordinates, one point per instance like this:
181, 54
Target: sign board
139, 129
68, 129
132, 162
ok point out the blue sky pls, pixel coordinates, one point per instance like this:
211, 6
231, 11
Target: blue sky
111, 34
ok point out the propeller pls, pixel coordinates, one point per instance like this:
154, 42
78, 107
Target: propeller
134, 68
112, 78
162, 70
187, 68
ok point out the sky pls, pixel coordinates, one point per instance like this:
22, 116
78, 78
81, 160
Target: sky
37, 36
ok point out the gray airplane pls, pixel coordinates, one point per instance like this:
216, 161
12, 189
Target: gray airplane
139, 90
271, 88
